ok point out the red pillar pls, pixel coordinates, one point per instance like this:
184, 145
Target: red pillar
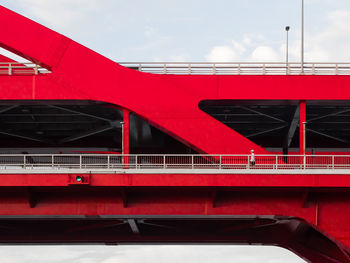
126, 131
302, 127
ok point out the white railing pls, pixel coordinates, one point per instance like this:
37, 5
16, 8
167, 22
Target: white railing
240, 68
204, 68
192, 162
17, 68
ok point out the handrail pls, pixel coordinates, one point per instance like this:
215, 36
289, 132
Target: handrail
240, 68
174, 161
21, 68
204, 68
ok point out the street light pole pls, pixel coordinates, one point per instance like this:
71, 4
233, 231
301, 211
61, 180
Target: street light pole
122, 124
287, 66
302, 36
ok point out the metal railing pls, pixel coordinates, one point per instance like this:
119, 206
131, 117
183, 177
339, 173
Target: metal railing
240, 68
191, 162
18, 68
203, 68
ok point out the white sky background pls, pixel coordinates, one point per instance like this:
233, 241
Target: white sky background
186, 30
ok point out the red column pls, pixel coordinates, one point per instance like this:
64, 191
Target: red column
126, 131
302, 127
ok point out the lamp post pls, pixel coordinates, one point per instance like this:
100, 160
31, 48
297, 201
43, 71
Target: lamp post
287, 40
122, 124
302, 36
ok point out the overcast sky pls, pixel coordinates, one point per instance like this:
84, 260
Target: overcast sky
186, 30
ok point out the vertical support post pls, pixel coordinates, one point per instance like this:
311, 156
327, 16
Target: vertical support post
220, 160
302, 131
276, 162
108, 161
302, 127
192, 162
332, 161
126, 136
164, 163
24, 161
80, 161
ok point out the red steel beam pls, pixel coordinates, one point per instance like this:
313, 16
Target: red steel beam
302, 127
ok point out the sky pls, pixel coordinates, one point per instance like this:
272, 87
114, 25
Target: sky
186, 30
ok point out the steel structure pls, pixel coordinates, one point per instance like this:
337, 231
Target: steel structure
67, 118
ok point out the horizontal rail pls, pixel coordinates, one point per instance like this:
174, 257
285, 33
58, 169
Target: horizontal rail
18, 68
240, 68
204, 68
188, 162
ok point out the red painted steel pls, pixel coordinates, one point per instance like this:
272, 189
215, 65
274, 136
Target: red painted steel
302, 127
126, 131
171, 104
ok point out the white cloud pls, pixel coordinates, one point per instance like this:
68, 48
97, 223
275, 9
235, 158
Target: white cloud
59, 14
265, 54
329, 45
223, 54
333, 42
227, 53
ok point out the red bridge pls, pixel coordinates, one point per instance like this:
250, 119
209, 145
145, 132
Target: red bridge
92, 151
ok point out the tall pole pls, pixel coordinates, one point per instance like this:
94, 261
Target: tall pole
302, 36
287, 44
122, 124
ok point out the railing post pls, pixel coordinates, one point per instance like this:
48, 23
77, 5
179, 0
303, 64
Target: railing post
108, 161
164, 69
276, 161
80, 161
220, 162
189, 69
264, 69
248, 162
164, 164
304, 161
333, 162
239, 69
36, 69
214, 69
10, 69
135, 161
192, 162
313, 69
24, 162
140, 67
52, 160
336, 69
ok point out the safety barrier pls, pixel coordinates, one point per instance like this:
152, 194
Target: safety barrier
17, 68
241, 68
204, 68
151, 161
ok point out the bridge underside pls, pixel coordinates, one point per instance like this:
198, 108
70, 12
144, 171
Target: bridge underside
83, 214
291, 233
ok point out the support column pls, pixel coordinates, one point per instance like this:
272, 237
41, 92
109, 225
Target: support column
302, 127
126, 132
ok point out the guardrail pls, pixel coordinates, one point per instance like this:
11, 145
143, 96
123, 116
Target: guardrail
18, 68
117, 161
204, 68
240, 68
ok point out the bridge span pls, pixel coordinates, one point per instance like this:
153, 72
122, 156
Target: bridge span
94, 151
